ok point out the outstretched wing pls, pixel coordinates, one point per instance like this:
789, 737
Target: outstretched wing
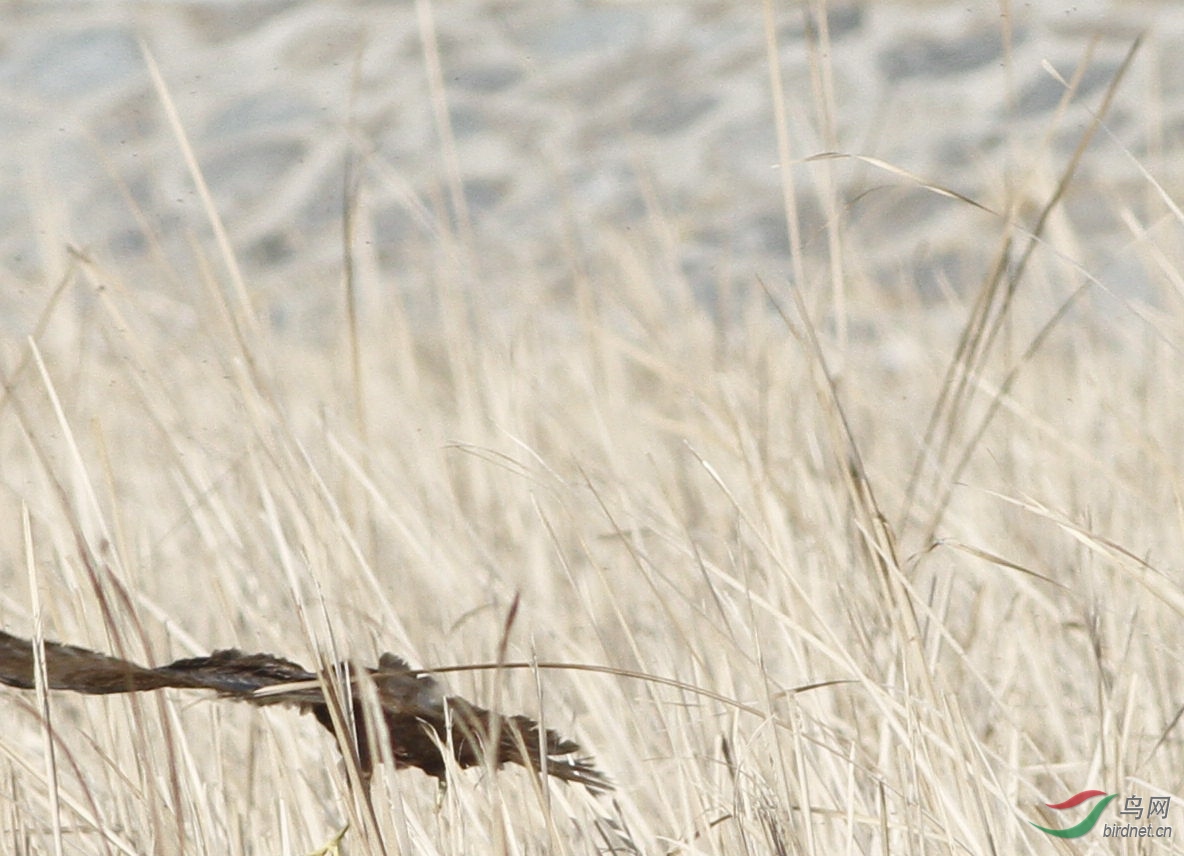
71, 668
229, 673
233, 674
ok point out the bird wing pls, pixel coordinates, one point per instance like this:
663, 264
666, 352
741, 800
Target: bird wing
70, 668
233, 674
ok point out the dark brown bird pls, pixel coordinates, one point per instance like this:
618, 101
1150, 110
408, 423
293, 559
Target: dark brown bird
417, 717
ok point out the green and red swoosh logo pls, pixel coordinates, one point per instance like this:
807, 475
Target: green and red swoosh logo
1090, 820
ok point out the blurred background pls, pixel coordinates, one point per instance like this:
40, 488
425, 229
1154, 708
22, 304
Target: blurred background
541, 135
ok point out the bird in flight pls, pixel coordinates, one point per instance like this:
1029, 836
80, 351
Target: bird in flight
417, 718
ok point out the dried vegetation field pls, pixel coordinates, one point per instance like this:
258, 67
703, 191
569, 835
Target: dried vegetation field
818, 565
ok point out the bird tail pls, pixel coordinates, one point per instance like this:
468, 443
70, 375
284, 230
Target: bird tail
521, 740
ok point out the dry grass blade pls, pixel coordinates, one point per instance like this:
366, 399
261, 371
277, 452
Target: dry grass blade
992, 308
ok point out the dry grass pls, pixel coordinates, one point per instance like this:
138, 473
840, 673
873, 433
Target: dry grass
968, 518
